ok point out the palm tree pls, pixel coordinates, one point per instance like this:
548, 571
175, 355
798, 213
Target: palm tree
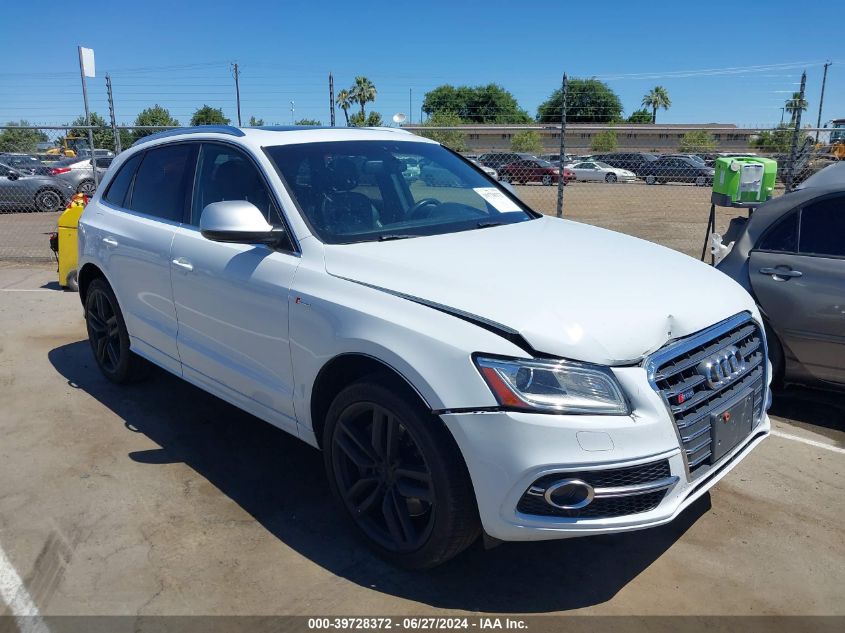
795, 104
656, 98
344, 102
363, 91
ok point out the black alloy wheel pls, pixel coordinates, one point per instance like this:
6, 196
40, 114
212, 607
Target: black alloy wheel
383, 478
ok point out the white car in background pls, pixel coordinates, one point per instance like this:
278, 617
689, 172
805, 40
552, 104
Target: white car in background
487, 170
405, 331
599, 171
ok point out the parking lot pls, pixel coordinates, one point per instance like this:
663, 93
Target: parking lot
161, 499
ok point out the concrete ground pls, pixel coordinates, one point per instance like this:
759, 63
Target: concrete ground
161, 499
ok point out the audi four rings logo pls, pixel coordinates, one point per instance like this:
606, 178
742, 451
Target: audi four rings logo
722, 367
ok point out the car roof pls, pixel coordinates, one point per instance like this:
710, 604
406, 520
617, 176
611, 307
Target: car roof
831, 176
258, 137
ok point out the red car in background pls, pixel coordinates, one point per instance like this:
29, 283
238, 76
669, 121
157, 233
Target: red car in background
533, 170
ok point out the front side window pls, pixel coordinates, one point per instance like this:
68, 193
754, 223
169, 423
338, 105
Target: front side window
356, 191
160, 187
823, 228
225, 173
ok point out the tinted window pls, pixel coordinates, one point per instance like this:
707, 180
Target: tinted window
783, 236
224, 173
119, 186
160, 185
823, 227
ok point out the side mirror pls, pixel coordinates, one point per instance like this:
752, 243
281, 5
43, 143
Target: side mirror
237, 221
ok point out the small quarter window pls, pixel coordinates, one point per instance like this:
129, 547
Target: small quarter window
783, 236
119, 187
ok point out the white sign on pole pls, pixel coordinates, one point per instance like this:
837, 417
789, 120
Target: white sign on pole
86, 56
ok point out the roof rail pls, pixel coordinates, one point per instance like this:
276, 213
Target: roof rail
197, 129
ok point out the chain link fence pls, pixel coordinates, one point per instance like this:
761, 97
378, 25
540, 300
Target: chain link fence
651, 181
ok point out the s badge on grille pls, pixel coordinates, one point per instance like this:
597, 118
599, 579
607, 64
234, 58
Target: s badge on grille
722, 367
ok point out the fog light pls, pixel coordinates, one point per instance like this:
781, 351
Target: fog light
569, 494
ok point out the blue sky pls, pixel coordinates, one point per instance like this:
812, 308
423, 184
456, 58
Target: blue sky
178, 54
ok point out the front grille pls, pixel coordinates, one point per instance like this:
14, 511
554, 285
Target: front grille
673, 371
602, 507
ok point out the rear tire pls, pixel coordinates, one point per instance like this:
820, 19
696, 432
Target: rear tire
547, 180
398, 475
109, 337
48, 201
87, 188
650, 180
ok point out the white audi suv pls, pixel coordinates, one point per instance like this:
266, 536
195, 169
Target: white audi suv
466, 364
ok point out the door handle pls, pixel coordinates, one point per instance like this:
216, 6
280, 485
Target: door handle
183, 263
785, 273
110, 241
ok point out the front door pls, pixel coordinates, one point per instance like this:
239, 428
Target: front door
798, 276
232, 299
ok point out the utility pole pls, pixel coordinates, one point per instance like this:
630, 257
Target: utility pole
793, 150
411, 105
291, 112
821, 101
117, 147
86, 59
237, 73
331, 98
560, 179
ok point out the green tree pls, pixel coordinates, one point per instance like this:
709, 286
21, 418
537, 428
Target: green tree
12, 140
310, 122
527, 141
102, 132
640, 116
697, 141
794, 105
253, 122
344, 102
476, 104
206, 115
657, 97
587, 101
778, 140
363, 91
451, 138
156, 115
373, 119
604, 141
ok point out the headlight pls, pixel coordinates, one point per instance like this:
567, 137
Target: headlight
552, 386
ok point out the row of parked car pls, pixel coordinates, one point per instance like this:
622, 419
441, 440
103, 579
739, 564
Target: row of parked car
28, 184
523, 168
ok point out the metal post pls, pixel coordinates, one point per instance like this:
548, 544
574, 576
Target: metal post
291, 112
411, 106
117, 145
236, 73
793, 148
560, 180
331, 98
88, 120
821, 102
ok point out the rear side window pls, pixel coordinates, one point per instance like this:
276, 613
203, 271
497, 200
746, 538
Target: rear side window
783, 236
119, 187
823, 228
160, 187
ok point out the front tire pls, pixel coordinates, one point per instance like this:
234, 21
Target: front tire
109, 337
398, 475
610, 178
87, 188
650, 180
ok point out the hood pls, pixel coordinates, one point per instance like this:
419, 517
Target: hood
569, 289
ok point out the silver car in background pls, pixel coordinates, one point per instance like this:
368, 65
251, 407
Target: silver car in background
79, 172
790, 255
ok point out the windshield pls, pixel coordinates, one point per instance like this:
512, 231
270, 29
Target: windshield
356, 191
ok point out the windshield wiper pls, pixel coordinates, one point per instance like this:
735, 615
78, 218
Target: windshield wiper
394, 236
487, 225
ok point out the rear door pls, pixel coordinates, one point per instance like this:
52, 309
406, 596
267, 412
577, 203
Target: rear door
798, 275
149, 198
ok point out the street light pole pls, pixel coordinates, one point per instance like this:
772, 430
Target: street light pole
821, 101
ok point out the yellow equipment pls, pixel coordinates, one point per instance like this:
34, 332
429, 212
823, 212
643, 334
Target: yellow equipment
67, 255
70, 147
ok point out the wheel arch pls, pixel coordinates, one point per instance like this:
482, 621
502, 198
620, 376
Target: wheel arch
343, 370
88, 273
